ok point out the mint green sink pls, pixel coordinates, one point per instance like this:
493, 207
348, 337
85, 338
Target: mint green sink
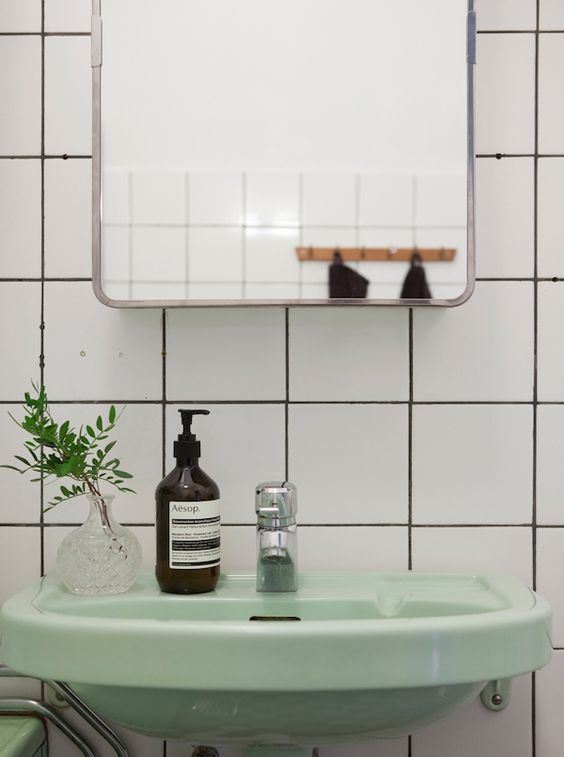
349, 656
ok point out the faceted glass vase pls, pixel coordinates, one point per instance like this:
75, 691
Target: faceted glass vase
100, 557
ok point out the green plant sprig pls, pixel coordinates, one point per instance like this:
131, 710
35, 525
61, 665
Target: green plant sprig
60, 451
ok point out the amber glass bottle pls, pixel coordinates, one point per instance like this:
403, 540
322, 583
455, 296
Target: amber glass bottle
188, 520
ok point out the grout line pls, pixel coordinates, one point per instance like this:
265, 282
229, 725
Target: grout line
424, 403
535, 353
410, 450
287, 400
42, 292
164, 385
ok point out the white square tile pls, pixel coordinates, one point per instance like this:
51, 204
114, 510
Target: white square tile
349, 462
20, 501
550, 439
491, 549
20, 220
216, 198
271, 290
116, 254
550, 346
474, 730
472, 464
139, 448
480, 351
272, 199
549, 695
224, 354
68, 96
157, 291
68, 15
329, 200
339, 354
117, 191
550, 212
238, 549
551, 109
270, 255
507, 14
505, 217
20, 345
441, 200
352, 548
381, 748
551, 14
158, 254
215, 291
387, 200
68, 212
20, 16
96, 352
258, 429
505, 90
20, 94
159, 197
215, 255
19, 559
550, 568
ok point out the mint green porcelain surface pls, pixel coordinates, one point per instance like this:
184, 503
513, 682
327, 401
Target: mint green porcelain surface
373, 654
21, 736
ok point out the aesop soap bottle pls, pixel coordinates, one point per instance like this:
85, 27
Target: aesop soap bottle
188, 520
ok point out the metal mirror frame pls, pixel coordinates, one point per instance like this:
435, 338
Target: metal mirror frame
96, 63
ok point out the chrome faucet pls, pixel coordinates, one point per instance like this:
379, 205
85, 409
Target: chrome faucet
277, 553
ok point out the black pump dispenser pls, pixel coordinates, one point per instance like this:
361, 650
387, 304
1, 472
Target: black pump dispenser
188, 519
188, 447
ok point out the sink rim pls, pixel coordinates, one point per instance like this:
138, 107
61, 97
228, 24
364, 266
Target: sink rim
369, 653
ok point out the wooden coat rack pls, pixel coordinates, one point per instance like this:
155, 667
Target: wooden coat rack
392, 254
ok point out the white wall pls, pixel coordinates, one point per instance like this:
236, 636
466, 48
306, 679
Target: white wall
461, 471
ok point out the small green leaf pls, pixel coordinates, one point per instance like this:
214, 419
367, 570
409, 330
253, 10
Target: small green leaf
90, 431
23, 460
63, 430
112, 414
99, 423
109, 447
122, 474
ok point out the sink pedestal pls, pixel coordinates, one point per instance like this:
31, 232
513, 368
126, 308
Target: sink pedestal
277, 751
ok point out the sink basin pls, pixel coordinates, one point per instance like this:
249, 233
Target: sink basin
350, 656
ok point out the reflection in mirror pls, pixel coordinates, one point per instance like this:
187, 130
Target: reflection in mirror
284, 150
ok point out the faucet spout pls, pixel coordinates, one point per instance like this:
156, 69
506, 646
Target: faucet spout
277, 568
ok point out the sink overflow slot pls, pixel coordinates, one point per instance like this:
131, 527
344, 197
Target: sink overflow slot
270, 618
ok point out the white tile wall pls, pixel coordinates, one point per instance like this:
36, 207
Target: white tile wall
348, 454
472, 464
551, 15
20, 220
20, 94
506, 88
550, 211
505, 214
23, 16
551, 71
68, 210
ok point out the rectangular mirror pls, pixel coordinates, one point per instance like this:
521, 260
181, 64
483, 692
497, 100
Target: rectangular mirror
308, 152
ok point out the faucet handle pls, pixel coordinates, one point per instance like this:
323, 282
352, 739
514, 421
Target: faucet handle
276, 503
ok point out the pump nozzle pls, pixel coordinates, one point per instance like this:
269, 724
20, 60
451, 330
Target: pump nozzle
187, 447
187, 418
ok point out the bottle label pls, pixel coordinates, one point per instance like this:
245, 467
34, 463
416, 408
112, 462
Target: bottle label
194, 534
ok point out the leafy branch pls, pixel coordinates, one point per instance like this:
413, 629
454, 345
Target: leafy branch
61, 451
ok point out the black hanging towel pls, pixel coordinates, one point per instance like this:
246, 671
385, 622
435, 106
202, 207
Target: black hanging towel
344, 282
415, 286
